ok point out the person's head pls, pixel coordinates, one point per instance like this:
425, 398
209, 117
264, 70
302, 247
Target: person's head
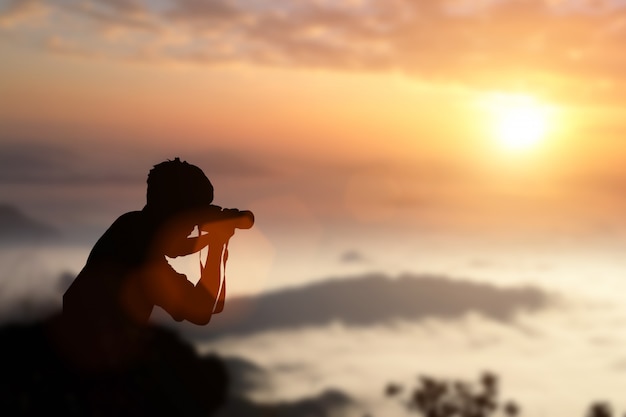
176, 186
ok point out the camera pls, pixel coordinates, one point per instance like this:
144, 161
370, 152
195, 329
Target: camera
221, 217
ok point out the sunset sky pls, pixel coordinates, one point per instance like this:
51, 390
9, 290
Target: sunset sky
329, 118
473, 138
342, 124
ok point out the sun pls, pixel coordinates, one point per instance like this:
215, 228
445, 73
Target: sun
519, 122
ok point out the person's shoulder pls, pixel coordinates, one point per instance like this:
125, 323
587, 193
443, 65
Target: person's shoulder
131, 216
117, 238
130, 220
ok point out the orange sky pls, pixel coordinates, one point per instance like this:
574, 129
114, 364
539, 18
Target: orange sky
324, 96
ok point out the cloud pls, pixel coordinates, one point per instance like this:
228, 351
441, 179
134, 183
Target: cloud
32, 162
230, 163
328, 403
62, 46
16, 12
41, 163
207, 11
247, 379
362, 360
24, 162
129, 14
125, 6
509, 44
352, 256
368, 300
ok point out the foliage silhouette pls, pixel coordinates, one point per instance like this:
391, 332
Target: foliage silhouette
435, 397
601, 409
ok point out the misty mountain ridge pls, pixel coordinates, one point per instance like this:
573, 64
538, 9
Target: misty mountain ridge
17, 227
366, 300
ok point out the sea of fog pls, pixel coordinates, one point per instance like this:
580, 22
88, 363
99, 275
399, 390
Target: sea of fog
552, 361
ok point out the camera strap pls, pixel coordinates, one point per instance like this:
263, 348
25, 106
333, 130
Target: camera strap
221, 298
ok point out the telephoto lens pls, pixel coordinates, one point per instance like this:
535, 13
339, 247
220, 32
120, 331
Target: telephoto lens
246, 219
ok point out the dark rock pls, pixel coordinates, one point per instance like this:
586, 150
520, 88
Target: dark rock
167, 379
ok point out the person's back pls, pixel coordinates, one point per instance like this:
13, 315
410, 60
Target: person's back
95, 296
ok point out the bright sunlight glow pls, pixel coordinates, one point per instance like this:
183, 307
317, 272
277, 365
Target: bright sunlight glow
519, 122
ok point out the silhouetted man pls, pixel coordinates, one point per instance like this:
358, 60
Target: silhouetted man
127, 273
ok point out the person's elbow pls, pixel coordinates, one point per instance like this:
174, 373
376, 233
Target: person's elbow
200, 314
197, 308
201, 319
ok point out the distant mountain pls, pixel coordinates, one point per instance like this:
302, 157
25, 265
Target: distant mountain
15, 226
366, 300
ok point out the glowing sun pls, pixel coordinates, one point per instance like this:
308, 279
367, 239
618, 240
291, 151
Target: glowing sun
519, 122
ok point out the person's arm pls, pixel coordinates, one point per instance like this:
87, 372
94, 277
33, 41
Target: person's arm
187, 246
179, 297
215, 221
